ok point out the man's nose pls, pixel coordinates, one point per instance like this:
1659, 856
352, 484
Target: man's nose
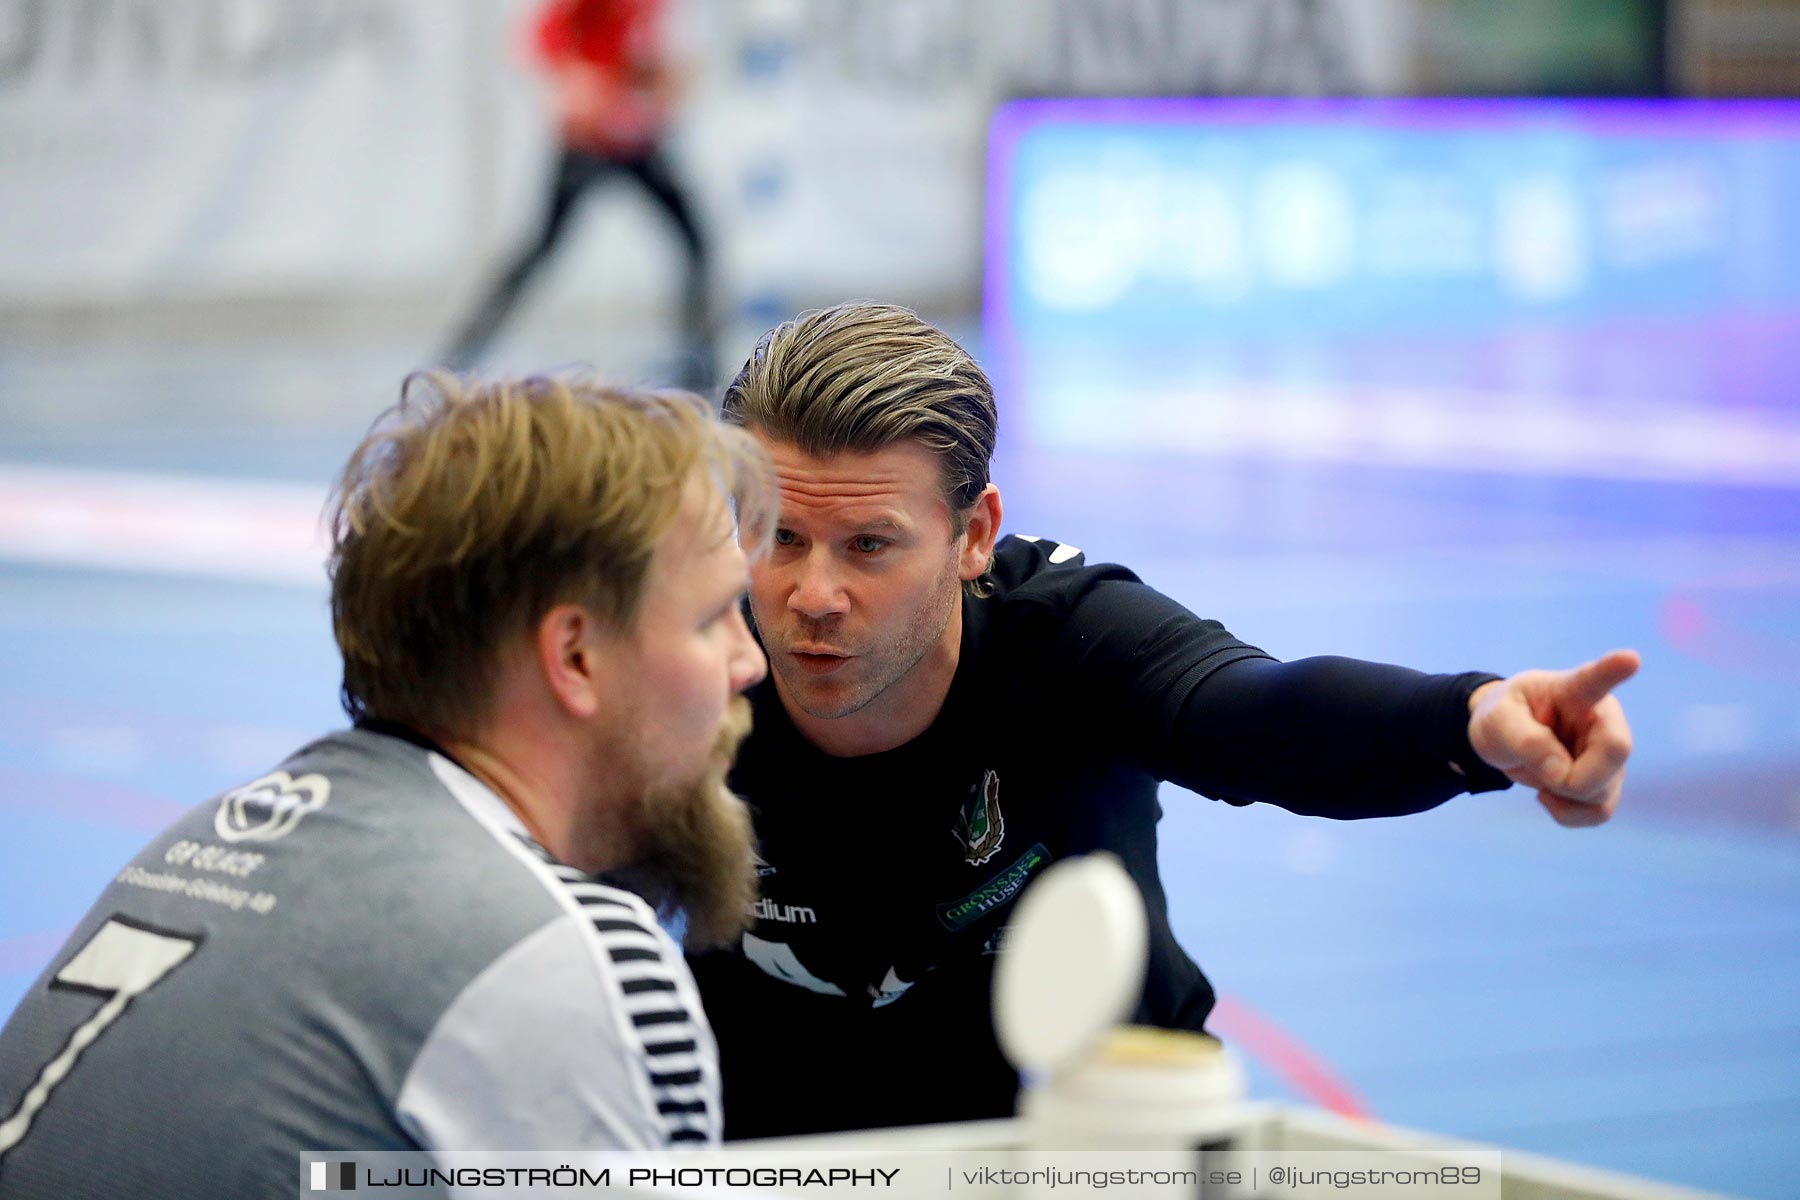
817, 593
748, 663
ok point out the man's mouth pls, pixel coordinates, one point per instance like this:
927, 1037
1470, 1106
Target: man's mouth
818, 662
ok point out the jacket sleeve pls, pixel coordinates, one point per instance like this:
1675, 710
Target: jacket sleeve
1333, 737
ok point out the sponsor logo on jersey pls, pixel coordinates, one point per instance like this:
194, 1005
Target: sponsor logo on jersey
788, 914
980, 826
268, 808
995, 893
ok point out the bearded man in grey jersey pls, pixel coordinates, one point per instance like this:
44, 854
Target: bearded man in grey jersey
439, 930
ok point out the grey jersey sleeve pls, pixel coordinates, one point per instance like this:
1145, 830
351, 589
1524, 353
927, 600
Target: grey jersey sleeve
557, 1046
587, 1034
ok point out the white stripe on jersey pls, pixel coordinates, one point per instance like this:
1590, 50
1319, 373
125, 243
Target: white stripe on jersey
663, 1024
664, 1028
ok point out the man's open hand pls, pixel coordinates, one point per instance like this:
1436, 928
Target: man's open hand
1561, 732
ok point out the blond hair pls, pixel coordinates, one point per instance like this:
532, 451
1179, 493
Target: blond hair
475, 506
861, 377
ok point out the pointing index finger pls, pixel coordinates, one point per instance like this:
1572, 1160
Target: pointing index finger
1591, 682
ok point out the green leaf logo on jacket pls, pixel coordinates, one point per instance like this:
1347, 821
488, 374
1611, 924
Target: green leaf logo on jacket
980, 827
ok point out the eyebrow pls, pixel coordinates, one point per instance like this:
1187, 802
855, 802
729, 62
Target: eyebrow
884, 523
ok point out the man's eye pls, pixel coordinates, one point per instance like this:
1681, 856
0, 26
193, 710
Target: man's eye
785, 537
868, 545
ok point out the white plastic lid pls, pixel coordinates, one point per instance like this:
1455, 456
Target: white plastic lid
1073, 962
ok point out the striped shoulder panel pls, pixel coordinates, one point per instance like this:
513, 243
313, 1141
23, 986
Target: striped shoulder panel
665, 1030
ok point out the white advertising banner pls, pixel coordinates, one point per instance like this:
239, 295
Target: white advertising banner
157, 148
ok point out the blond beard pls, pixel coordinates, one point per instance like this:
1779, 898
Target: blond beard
697, 846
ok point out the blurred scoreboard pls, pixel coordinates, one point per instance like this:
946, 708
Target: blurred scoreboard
1126, 217
1640, 252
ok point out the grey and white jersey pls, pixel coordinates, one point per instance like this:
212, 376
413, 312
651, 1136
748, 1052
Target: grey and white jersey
362, 950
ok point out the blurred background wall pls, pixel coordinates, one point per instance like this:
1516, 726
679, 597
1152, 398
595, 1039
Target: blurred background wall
364, 160
361, 161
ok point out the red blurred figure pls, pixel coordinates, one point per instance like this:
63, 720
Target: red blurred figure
614, 96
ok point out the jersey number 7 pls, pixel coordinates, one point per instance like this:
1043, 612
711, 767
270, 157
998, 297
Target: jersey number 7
121, 962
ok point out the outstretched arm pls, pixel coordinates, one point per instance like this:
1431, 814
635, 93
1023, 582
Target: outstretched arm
1561, 732
1334, 737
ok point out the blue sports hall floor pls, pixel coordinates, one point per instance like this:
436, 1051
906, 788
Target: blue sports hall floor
1627, 997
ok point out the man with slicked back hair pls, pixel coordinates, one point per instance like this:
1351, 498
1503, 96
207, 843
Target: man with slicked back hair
948, 711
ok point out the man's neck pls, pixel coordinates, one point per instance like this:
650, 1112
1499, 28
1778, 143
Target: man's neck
539, 785
897, 715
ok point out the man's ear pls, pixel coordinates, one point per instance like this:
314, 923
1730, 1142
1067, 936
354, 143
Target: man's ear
571, 652
978, 538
